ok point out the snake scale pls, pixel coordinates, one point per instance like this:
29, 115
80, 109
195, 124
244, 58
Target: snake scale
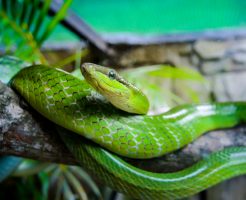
74, 104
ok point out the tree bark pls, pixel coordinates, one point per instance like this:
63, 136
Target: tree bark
23, 132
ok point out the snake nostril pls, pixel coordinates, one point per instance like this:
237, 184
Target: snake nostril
83, 68
86, 67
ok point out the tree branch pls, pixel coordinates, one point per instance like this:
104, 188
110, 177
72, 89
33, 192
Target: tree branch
23, 132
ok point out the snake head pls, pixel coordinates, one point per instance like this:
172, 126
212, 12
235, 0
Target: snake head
115, 89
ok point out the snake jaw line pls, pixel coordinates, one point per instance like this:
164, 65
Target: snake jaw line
117, 90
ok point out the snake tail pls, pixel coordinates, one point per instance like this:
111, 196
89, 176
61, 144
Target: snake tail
141, 184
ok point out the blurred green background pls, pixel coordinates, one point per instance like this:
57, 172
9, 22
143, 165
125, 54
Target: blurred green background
156, 16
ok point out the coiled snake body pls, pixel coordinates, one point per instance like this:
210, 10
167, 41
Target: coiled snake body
74, 105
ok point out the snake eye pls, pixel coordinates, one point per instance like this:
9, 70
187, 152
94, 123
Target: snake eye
112, 74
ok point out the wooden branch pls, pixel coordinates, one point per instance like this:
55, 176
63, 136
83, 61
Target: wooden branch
23, 132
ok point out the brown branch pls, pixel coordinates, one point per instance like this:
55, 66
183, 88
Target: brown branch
23, 132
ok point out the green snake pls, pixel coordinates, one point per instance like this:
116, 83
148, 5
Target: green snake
126, 130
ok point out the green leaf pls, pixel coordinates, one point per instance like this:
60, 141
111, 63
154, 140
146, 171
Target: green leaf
79, 172
27, 22
76, 185
29, 167
58, 17
42, 14
161, 89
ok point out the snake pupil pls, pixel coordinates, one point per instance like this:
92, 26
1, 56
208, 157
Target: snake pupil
111, 74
